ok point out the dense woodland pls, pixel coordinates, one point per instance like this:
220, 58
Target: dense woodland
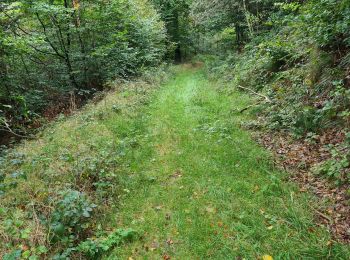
293, 56
53, 52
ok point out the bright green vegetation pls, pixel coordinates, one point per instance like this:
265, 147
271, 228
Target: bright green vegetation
203, 189
62, 188
168, 170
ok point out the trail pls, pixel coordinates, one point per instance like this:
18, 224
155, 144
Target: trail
202, 189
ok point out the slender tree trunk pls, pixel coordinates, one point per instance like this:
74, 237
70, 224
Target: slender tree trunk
67, 53
238, 33
178, 52
3, 72
3, 66
77, 23
247, 17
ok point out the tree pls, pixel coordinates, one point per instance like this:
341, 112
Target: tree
245, 16
50, 49
175, 14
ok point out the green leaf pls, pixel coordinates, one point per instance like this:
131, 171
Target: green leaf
41, 249
26, 254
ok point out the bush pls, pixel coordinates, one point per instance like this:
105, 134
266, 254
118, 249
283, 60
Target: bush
70, 219
53, 50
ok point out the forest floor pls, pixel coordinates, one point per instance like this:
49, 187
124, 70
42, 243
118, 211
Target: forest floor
203, 189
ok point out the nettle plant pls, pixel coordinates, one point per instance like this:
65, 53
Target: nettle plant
337, 168
70, 218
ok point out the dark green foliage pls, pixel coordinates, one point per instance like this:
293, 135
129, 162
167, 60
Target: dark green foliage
69, 220
93, 248
9, 180
337, 168
298, 56
328, 22
244, 18
175, 14
51, 51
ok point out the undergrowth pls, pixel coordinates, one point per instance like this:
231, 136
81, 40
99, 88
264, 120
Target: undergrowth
58, 192
301, 64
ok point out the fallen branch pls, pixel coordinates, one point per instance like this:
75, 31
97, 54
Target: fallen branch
246, 108
13, 133
267, 99
9, 130
323, 215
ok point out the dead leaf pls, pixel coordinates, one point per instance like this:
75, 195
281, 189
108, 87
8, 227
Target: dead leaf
175, 175
210, 210
158, 207
154, 246
166, 257
299, 157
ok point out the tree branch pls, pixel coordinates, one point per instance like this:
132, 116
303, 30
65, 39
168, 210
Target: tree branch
267, 99
9, 130
47, 38
250, 106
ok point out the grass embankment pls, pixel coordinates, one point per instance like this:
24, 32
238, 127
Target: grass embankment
175, 166
49, 186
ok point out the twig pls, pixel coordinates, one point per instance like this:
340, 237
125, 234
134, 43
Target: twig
255, 93
323, 215
9, 130
246, 108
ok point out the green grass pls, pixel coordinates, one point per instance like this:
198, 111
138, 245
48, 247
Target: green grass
205, 190
188, 179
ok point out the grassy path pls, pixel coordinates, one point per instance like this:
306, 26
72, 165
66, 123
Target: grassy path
202, 189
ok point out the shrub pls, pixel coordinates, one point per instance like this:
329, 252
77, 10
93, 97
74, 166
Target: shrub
70, 218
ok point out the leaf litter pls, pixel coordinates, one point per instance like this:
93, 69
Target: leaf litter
299, 157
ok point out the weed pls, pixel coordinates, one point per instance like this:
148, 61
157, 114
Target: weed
70, 218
